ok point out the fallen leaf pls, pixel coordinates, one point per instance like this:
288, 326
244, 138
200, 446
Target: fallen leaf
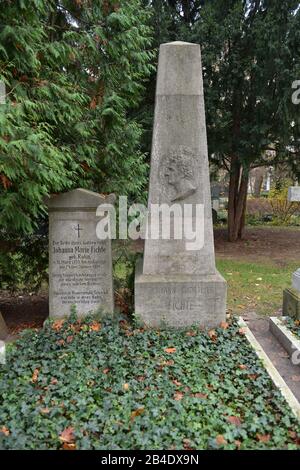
263, 437
191, 333
69, 446
35, 376
67, 435
242, 331
53, 381
224, 325
45, 411
124, 324
186, 444
242, 366
57, 325
95, 326
253, 376
199, 395
178, 396
238, 444
170, 362
234, 420
170, 350
4, 430
213, 335
126, 387
106, 371
175, 382
294, 436
93, 103
136, 413
6, 183
70, 339
220, 440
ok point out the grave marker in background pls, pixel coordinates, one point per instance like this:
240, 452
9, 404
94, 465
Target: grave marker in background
291, 297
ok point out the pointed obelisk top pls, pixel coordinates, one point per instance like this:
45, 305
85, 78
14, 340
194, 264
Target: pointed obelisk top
179, 69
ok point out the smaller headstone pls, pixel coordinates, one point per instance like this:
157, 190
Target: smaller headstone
291, 297
291, 303
3, 329
294, 194
80, 264
296, 280
215, 199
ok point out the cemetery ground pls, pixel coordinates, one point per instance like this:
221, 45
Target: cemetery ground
110, 384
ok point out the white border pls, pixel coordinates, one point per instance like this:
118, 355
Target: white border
272, 371
285, 337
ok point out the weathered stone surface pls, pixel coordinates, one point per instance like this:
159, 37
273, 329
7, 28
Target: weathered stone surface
294, 194
3, 329
291, 297
180, 174
80, 265
179, 300
296, 280
291, 303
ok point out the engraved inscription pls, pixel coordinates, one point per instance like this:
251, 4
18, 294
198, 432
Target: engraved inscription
80, 267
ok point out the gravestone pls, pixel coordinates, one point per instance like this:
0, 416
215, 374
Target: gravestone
296, 280
3, 329
291, 297
176, 286
80, 265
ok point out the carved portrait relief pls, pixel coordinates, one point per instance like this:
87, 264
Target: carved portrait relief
178, 173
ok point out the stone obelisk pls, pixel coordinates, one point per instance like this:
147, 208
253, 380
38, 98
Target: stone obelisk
177, 285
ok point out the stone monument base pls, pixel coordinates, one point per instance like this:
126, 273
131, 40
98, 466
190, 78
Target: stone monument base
291, 303
179, 300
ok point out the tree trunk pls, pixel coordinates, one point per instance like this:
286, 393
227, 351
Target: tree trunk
259, 174
237, 200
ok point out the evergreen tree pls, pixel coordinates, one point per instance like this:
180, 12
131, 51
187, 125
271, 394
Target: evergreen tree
73, 71
251, 57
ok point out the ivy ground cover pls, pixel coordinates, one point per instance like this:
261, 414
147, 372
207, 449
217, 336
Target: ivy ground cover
293, 325
108, 384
